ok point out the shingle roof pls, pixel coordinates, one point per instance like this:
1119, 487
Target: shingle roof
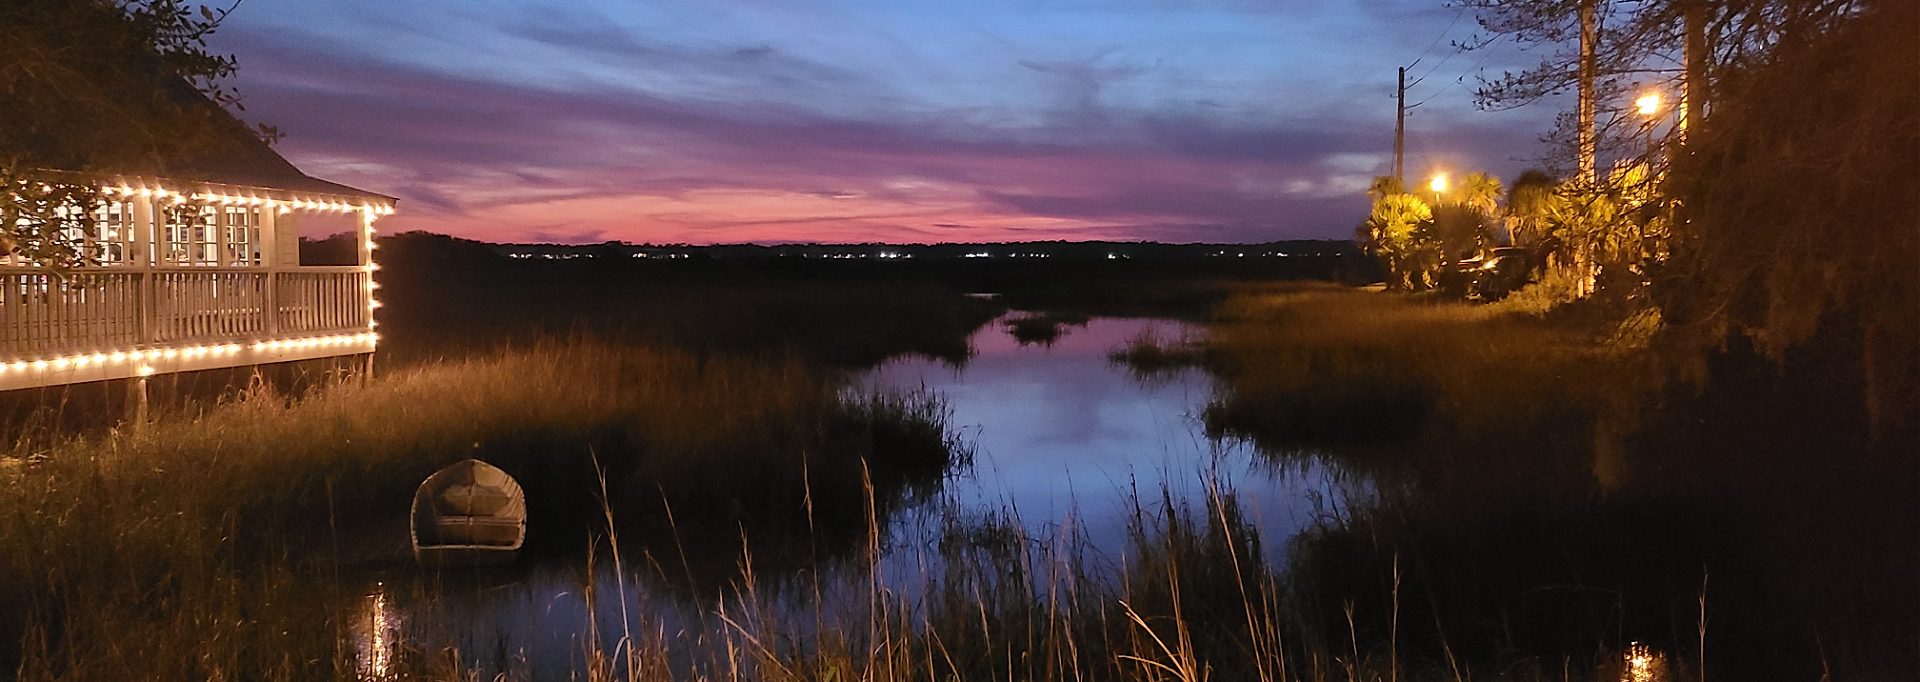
245, 159
237, 157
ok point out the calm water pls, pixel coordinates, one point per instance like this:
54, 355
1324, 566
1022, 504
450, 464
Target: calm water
1065, 443
1063, 435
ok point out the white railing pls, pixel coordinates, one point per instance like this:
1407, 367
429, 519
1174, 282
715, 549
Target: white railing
116, 308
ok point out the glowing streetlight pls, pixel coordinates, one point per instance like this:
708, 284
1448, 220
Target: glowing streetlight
1438, 184
1649, 104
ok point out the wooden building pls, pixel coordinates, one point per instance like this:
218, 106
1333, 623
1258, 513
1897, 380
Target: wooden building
198, 270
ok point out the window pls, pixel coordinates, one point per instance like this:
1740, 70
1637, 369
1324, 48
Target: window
241, 226
113, 230
191, 233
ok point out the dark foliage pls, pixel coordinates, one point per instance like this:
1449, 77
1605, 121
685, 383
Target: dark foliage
1800, 224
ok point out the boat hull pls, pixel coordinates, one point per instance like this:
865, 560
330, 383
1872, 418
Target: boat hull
455, 556
468, 514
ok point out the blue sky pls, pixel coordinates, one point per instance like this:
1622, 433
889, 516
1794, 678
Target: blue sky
905, 121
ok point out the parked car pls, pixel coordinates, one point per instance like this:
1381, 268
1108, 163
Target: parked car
1499, 272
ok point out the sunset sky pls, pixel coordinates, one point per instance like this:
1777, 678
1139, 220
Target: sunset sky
720, 121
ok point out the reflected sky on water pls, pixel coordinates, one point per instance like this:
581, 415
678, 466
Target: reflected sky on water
1061, 432
1065, 442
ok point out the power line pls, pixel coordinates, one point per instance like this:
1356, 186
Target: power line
1443, 36
1436, 66
1457, 81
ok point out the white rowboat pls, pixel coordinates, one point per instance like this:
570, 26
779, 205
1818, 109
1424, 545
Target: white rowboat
468, 514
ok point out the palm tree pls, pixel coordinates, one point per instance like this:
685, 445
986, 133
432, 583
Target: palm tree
1384, 186
1528, 202
1397, 227
1480, 191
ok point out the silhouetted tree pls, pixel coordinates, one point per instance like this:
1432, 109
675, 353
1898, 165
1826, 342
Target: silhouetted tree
1797, 203
1528, 200
99, 86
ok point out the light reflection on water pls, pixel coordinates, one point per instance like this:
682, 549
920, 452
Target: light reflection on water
376, 629
1066, 445
1642, 663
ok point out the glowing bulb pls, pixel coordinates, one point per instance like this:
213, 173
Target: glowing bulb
1438, 184
1649, 104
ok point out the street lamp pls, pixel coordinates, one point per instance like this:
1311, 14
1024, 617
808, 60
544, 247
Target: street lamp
1649, 106
1439, 185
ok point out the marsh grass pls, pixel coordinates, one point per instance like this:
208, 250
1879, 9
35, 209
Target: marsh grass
1548, 494
1328, 366
1149, 355
448, 298
1043, 327
987, 597
177, 546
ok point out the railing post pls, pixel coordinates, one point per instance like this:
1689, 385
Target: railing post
143, 290
271, 302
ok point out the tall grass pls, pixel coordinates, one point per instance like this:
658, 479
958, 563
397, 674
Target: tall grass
1327, 366
1547, 497
984, 597
175, 550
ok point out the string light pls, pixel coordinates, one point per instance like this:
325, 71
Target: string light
328, 203
141, 357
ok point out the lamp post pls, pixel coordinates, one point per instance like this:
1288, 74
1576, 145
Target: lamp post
1649, 106
1439, 186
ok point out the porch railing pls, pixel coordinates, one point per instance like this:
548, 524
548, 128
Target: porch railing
115, 308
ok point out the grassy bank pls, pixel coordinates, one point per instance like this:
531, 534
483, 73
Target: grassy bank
179, 551
1549, 496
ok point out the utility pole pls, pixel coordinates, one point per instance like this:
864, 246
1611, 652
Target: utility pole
1584, 145
1400, 134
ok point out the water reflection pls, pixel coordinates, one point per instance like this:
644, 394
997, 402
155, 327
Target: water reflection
1071, 451
1062, 433
1641, 663
375, 631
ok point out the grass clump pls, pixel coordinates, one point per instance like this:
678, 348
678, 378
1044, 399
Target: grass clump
1149, 355
1043, 328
